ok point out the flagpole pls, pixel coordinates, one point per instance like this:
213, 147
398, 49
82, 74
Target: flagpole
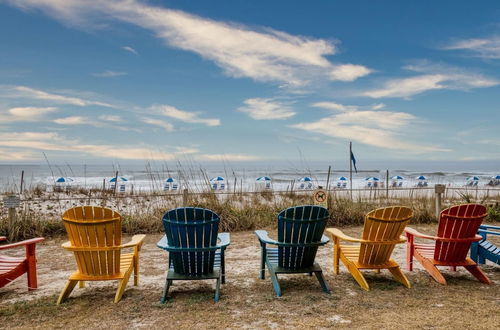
350, 167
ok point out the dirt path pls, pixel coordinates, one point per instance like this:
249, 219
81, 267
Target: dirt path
248, 302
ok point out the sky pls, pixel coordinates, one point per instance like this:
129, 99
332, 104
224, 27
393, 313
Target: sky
249, 81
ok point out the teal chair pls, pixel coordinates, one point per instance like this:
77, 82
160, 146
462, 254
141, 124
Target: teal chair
195, 249
300, 233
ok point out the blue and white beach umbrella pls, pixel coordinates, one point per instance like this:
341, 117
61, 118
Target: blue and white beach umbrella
397, 177
342, 178
64, 180
263, 178
372, 178
497, 177
421, 178
170, 180
217, 178
120, 178
473, 178
305, 179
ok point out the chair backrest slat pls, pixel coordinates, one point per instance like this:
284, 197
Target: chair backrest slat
190, 227
93, 227
383, 224
300, 224
459, 221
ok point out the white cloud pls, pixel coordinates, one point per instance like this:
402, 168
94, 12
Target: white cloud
26, 114
480, 47
261, 54
266, 109
130, 50
111, 118
227, 157
74, 120
109, 74
33, 142
185, 116
373, 127
157, 122
433, 77
24, 92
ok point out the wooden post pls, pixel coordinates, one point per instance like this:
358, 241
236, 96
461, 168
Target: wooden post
22, 181
185, 197
116, 182
387, 184
103, 185
12, 219
350, 168
328, 179
439, 189
11, 202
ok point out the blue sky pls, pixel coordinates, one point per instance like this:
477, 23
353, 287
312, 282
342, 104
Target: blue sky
262, 81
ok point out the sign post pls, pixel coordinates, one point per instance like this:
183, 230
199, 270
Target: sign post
11, 202
439, 189
320, 197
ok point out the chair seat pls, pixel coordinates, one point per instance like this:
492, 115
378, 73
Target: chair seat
126, 262
8, 264
273, 259
215, 274
351, 253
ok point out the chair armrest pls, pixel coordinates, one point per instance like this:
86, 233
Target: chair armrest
22, 243
263, 237
135, 241
412, 232
337, 233
163, 243
3, 238
225, 240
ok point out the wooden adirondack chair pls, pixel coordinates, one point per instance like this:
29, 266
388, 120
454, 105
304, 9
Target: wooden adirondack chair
191, 241
95, 239
381, 233
300, 233
457, 230
11, 267
484, 249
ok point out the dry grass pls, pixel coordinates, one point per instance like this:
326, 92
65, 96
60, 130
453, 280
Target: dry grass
248, 302
40, 215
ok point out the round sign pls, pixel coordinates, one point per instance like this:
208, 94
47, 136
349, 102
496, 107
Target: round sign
320, 196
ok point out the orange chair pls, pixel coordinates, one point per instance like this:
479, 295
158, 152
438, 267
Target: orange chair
457, 229
11, 268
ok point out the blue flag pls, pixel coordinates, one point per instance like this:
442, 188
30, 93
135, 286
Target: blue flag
353, 160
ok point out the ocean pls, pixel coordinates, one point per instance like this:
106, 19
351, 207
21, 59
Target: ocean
237, 176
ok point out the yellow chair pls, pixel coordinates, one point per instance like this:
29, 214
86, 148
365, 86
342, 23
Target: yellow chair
95, 238
381, 233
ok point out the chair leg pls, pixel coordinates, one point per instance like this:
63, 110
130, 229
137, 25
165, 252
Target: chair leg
136, 270
66, 291
223, 267
274, 280
122, 285
322, 282
217, 289
433, 271
168, 283
358, 276
336, 257
400, 276
478, 273
31, 263
263, 263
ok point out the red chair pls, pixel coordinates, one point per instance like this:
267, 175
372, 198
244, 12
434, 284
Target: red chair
457, 229
11, 267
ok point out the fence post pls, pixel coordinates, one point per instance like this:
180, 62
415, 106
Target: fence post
11, 202
439, 190
184, 197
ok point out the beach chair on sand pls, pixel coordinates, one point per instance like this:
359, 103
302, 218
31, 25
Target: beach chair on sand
12, 267
95, 238
381, 233
456, 231
194, 252
300, 233
484, 249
